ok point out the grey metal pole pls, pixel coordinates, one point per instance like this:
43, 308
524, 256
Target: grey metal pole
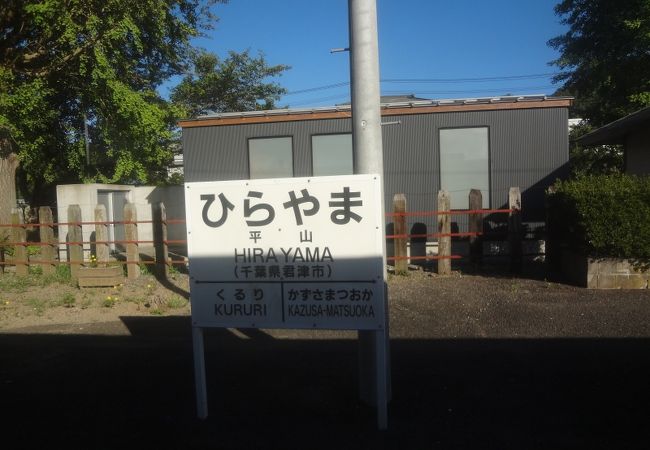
364, 77
374, 360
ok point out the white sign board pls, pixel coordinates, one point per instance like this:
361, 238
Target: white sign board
286, 253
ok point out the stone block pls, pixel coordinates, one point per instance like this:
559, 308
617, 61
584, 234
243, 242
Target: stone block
604, 273
592, 281
613, 266
608, 281
633, 281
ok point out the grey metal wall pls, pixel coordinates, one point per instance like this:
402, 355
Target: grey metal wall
528, 149
221, 152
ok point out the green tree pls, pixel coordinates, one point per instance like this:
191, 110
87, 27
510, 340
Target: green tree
237, 83
605, 57
598, 160
69, 63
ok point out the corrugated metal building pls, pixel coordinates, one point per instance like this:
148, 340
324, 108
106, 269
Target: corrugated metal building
490, 144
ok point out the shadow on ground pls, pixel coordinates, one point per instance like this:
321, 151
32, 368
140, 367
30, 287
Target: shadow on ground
109, 392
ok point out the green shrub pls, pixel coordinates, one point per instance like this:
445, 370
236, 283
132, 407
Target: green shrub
7, 249
601, 216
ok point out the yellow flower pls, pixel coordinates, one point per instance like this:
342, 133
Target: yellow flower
108, 298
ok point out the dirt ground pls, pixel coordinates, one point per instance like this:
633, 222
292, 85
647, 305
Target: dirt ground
484, 361
48, 302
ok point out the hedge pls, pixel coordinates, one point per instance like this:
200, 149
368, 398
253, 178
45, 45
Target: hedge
601, 216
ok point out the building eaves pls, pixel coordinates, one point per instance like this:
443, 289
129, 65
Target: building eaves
616, 132
388, 108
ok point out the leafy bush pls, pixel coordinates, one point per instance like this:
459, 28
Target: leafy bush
601, 216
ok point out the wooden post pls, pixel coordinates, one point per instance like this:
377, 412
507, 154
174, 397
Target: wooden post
75, 237
444, 227
515, 229
399, 207
160, 239
475, 225
19, 237
101, 236
552, 250
131, 231
46, 233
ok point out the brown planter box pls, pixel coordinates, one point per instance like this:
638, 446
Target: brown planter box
100, 276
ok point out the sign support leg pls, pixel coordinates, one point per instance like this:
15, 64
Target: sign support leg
374, 373
366, 355
381, 378
199, 373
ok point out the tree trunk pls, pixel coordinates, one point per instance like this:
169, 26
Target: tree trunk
8, 166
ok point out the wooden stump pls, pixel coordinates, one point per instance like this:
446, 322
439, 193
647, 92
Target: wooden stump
444, 227
399, 207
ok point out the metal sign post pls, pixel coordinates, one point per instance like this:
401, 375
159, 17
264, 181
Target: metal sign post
374, 366
200, 382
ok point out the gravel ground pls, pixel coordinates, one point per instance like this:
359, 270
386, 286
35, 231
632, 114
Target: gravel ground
477, 361
425, 305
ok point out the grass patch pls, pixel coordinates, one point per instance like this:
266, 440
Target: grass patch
146, 269
38, 305
176, 302
86, 303
68, 300
109, 301
13, 283
62, 274
136, 300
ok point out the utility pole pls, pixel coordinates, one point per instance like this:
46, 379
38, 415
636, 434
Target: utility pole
374, 372
364, 77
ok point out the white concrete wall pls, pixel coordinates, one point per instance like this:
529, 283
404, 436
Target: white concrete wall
144, 197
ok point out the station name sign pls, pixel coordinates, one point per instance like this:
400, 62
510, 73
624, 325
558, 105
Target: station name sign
286, 253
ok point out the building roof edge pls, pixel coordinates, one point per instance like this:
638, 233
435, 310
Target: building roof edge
389, 108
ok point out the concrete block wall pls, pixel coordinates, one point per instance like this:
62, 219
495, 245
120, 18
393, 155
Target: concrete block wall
604, 273
144, 197
610, 273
